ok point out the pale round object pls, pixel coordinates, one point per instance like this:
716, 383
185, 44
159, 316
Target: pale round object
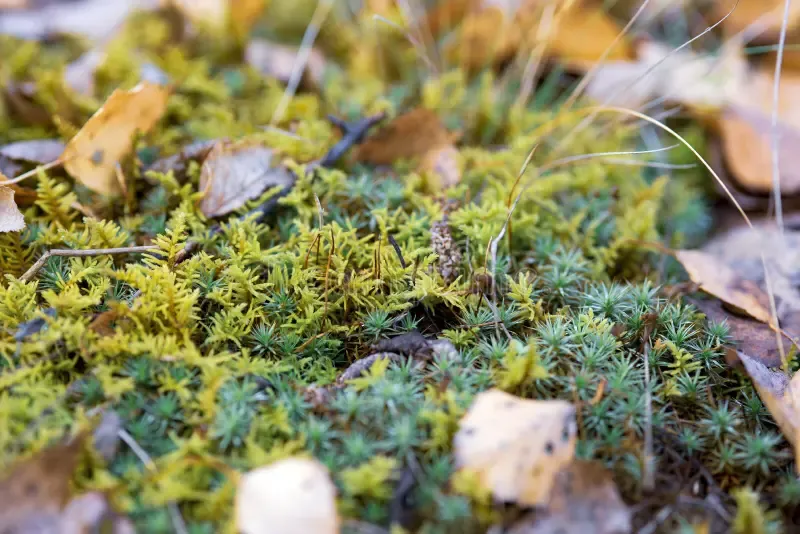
290, 496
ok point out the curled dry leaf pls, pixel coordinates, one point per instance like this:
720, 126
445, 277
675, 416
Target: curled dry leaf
746, 132
780, 395
92, 155
290, 496
234, 173
718, 279
584, 499
34, 151
35, 490
11, 219
516, 446
278, 61
696, 81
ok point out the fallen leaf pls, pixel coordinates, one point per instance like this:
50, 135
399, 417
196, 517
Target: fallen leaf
584, 499
745, 250
718, 279
277, 61
697, 81
91, 156
101, 324
23, 196
494, 31
38, 487
234, 173
236, 15
767, 14
746, 132
290, 496
11, 219
178, 163
750, 336
94, 19
38, 151
442, 165
91, 512
516, 446
243, 14
780, 395
411, 135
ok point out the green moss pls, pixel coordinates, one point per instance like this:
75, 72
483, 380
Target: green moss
211, 360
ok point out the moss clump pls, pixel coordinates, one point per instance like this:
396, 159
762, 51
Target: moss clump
213, 363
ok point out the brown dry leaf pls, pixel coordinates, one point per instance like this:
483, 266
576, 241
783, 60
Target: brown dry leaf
234, 173
718, 279
277, 61
749, 12
11, 219
37, 488
101, 324
584, 499
290, 496
92, 155
411, 135
516, 446
780, 395
746, 132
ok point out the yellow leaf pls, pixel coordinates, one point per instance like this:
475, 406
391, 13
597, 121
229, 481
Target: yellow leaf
291, 496
516, 446
92, 155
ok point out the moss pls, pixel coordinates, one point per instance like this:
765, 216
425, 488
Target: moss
211, 360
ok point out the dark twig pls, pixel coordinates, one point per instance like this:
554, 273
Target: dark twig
75, 253
352, 134
359, 367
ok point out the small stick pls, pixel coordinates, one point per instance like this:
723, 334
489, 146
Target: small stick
78, 253
359, 367
174, 512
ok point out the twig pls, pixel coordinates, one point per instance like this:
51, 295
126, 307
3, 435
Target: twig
174, 512
80, 253
359, 367
647, 469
